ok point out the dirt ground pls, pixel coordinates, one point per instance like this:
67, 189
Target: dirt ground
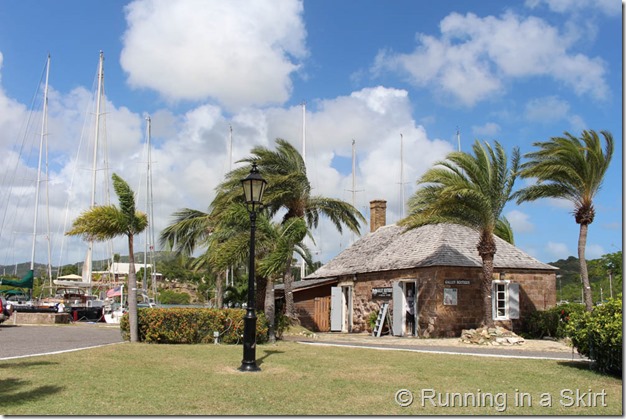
543, 345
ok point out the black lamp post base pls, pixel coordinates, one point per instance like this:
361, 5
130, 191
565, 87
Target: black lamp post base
249, 366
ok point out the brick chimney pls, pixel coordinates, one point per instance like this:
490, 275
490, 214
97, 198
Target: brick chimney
378, 214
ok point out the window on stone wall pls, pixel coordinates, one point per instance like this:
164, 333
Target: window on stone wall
505, 296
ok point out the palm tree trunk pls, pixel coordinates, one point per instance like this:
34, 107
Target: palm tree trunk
219, 289
290, 309
132, 293
261, 295
487, 249
486, 290
270, 314
584, 275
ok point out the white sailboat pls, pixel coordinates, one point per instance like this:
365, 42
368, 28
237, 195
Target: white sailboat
83, 304
27, 281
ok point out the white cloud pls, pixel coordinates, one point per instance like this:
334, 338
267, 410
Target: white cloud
490, 129
607, 7
475, 57
237, 52
557, 251
546, 109
519, 221
594, 251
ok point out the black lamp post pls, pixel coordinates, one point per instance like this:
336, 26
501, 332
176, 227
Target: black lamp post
253, 188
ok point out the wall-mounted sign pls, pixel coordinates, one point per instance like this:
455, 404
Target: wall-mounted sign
449, 296
456, 282
381, 292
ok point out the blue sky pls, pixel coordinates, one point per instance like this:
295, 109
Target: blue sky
512, 71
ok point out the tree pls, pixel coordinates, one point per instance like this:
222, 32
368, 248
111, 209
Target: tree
288, 191
570, 168
470, 190
105, 222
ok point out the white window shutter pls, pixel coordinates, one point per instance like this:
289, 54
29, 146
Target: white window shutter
494, 298
397, 296
336, 309
513, 301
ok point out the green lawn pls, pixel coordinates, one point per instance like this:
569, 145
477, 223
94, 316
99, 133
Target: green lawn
296, 379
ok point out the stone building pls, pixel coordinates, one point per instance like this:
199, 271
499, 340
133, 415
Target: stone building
439, 264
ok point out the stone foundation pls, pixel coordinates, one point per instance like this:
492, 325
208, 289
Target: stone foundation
38, 318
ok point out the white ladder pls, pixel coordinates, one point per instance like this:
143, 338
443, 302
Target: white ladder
380, 320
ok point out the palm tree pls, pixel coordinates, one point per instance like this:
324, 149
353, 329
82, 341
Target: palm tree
570, 168
289, 190
105, 222
470, 190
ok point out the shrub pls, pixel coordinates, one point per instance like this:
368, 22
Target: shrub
598, 335
192, 325
371, 320
551, 322
173, 297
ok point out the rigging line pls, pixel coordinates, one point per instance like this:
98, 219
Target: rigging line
23, 134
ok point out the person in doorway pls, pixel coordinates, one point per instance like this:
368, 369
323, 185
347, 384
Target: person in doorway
410, 312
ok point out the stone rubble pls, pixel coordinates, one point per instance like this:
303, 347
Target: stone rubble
495, 336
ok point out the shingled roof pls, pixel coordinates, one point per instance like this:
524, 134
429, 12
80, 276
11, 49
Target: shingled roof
393, 247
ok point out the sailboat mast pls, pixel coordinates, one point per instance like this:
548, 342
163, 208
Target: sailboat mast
302, 265
150, 211
88, 260
44, 128
458, 137
402, 175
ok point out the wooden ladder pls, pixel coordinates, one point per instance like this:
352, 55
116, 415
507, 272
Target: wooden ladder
380, 320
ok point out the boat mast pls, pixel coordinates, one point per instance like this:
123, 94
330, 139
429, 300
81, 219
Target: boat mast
150, 211
42, 141
87, 271
229, 270
402, 175
302, 264
458, 137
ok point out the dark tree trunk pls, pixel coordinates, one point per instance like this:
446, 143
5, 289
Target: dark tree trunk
261, 285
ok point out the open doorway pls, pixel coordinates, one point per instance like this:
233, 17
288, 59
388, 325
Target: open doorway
405, 308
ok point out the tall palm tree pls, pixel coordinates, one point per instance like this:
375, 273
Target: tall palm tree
105, 222
570, 168
470, 190
288, 190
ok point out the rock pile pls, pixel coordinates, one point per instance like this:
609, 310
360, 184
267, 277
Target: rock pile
491, 336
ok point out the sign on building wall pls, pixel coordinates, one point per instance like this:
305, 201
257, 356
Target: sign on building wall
381, 292
449, 296
456, 282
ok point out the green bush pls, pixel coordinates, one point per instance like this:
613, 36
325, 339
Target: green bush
192, 325
371, 320
551, 322
598, 335
173, 297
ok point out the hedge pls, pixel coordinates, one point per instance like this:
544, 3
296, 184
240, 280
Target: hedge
192, 325
598, 335
551, 323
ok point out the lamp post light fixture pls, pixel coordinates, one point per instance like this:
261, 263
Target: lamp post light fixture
253, 188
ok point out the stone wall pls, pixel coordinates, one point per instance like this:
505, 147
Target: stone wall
537, 292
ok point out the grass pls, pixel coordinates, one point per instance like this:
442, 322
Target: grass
296, 379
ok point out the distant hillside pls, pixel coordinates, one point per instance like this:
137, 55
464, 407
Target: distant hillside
98, 265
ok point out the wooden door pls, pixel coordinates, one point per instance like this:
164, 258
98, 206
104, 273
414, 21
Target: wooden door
321, 313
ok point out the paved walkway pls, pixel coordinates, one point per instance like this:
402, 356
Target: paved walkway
29, 340
535, 349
